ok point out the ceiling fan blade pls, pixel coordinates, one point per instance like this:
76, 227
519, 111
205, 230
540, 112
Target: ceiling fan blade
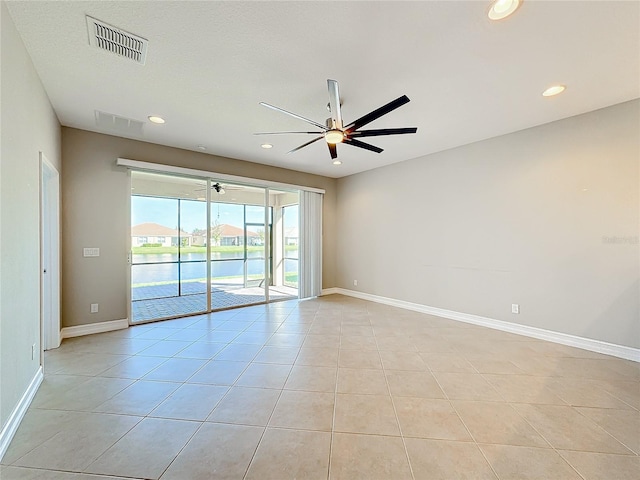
366, 146
334, 104
285, 133
377, 113
333, 150
383, 131
294, 115
305, 144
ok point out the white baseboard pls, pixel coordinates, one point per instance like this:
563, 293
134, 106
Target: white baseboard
598, 346
91, 328
330, 291
10, 428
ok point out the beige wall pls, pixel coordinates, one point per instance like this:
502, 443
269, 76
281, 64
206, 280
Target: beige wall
95, 214
29, 126
524, 218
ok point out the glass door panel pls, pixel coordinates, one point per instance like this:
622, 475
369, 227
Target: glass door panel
237, 246
227, 249
284, 284
192, 255
255, 271
167, 261
256, 246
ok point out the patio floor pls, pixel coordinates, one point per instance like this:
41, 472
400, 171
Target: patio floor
163, 301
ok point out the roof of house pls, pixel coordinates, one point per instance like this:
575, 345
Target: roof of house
226, 230
232, 231
155, 230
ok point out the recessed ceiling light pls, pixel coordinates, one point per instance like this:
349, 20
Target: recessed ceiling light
266, 145
201, 147
503, 8
156, 119
553, 90
337, 162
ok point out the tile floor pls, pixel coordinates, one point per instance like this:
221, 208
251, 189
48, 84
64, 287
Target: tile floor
334, 388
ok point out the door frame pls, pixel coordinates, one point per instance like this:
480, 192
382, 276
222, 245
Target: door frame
49, 255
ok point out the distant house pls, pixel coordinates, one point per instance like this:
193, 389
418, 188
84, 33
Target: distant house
156, 234
226, 235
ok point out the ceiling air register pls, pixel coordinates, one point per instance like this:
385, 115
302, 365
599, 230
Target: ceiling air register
114, 40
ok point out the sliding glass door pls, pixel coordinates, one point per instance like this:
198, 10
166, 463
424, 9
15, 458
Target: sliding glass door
200, 245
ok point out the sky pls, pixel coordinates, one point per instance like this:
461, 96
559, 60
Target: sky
193, 214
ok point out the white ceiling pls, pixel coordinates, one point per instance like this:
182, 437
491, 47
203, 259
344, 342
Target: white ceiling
210, 63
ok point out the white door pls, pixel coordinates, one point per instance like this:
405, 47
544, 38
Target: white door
50, 256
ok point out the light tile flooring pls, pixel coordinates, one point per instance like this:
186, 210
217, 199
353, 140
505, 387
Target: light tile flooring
333, 388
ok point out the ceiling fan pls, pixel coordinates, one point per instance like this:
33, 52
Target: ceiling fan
335, 131
219, 188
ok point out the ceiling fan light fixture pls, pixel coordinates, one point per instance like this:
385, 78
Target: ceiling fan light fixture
500, 9
334, 136
337, 162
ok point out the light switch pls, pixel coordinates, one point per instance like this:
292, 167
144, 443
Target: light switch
91, 252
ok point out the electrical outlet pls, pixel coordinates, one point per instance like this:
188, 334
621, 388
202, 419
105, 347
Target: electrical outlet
515, 308
355, 283
94, 308
91, 252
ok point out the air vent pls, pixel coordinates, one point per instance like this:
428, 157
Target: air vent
112, 39
122, 125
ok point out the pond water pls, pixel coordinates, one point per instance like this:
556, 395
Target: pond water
232, 266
